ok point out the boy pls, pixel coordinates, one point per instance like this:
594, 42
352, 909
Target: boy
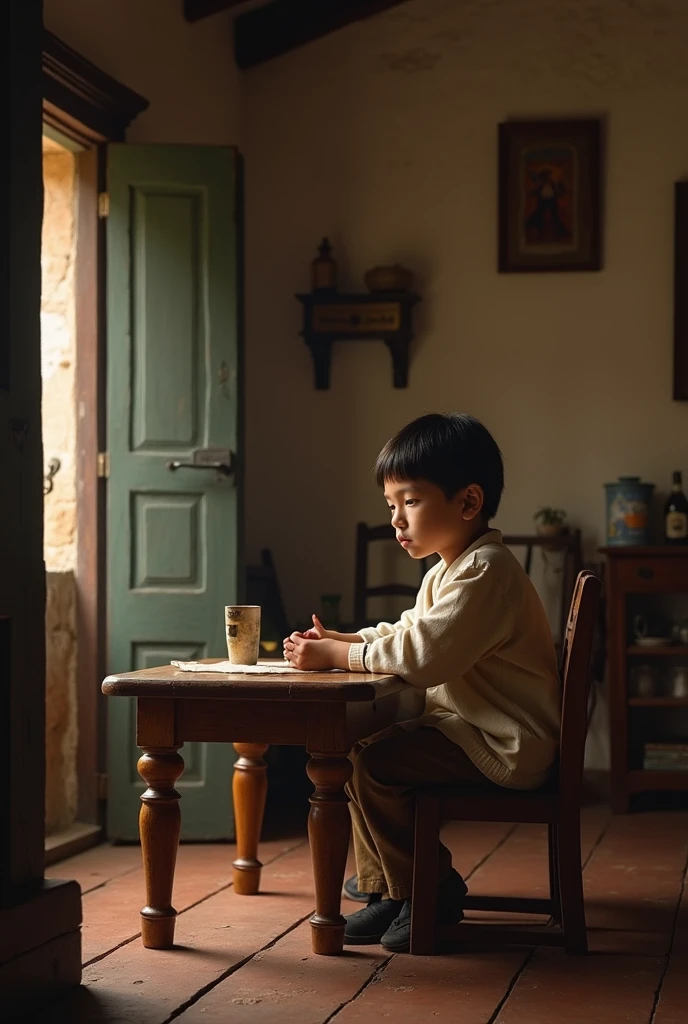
477, 641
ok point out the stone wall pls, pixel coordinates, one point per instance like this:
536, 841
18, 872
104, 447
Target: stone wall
60, 697
58, 356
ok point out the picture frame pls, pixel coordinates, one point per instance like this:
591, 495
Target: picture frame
681, 291
550, 196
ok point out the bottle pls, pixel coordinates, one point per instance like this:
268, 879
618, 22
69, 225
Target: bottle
676, 514
324, 269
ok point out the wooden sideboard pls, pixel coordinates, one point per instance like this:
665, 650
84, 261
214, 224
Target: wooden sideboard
648, 581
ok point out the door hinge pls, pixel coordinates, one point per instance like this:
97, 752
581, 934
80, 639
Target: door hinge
103, 204
104, 465
102, 786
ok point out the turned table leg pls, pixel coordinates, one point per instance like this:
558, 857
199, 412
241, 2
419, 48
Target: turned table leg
159, 826
249, 789
329, 827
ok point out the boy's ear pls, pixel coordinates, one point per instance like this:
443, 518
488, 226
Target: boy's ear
472, 504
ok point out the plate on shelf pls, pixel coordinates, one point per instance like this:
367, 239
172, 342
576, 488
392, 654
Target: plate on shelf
652, 641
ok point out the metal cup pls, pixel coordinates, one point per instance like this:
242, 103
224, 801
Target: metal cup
242, 629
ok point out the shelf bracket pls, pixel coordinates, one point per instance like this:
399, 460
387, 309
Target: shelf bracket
385, 317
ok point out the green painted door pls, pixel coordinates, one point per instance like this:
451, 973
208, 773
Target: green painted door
172, 397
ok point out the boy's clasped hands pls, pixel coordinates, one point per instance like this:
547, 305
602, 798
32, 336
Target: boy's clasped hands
318, 648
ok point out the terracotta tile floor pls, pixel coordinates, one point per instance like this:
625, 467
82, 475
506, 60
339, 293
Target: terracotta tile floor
242, 959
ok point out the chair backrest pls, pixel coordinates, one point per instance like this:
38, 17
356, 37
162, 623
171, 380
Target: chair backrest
570, 543
262, 587
576, 674
366, 535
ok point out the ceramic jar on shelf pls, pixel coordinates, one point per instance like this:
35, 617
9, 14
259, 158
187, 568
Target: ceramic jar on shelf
628, 512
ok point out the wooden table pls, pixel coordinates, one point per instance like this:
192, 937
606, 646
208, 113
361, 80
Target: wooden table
325, 712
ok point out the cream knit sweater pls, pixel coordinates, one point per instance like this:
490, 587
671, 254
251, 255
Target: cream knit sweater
479, 643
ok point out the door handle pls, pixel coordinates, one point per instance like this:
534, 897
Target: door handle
219, 459
221, 467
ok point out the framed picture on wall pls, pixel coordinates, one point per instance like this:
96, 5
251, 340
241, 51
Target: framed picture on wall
681, 291
549, 196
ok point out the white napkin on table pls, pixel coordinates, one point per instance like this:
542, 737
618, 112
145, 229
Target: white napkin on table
229, 669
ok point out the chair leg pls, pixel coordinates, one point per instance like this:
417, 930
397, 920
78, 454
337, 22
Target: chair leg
553, 850
425, 876
571, 885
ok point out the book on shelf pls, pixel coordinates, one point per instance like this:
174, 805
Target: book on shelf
670, 762
667, 757
666, 747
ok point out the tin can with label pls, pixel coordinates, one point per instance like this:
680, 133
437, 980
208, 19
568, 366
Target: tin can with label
629, 503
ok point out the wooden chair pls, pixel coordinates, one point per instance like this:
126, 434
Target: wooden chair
366, 535
557, 804
262, 587
570, 544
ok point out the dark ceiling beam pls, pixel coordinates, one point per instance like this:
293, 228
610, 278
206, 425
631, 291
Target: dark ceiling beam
282, 25
194, 10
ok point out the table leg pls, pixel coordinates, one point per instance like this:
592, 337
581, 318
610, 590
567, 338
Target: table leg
159, 825
329, 827
249, 789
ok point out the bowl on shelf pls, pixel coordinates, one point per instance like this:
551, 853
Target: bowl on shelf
653, 641
389, 279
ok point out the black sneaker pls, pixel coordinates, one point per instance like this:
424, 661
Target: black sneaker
352, 892
367, 926
397, 938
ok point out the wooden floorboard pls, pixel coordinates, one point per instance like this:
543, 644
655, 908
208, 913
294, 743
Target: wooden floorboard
470, 986
97, 866
111, 912
597, 989
288, 984
633, 882
248, 959
213, 938
672, 1001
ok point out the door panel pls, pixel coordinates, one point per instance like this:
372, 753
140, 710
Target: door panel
172, 393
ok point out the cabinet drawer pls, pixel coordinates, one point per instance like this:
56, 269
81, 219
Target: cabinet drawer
653, 574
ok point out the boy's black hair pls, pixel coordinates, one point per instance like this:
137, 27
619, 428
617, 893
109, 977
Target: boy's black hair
451, 450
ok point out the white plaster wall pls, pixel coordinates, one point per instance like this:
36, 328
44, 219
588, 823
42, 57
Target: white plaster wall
384, 137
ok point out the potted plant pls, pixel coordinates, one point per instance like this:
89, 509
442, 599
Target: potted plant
549, 522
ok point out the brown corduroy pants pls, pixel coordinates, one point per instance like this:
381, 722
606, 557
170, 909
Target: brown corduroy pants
389, 767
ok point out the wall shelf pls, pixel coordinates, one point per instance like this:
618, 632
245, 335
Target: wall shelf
372, 316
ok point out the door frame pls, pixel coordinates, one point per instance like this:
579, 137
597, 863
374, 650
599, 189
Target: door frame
85, 109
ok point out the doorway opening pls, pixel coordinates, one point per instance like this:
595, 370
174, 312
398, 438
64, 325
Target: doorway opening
83, 110
58, 407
